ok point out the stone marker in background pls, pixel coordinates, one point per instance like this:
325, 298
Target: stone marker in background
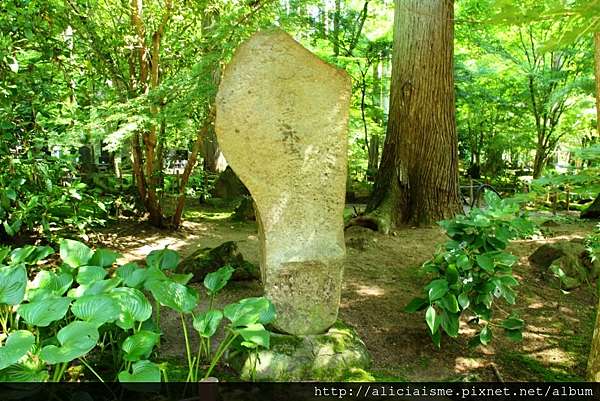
281, 122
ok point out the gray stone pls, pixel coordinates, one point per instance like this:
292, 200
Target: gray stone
281, 122
571, 257
208, 260
332, 356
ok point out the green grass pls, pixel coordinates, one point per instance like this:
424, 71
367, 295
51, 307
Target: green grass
530, 368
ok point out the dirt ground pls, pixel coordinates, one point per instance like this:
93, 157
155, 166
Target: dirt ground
381, 276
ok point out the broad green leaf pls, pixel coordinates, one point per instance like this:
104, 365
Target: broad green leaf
17, 345
207, 323
140, 345
98, 287
415, 305
514, 335
132, 275
463, 300
430, 318
75, 253
450, 303
505, 259
142, 371
164, 259
508, 280
485, 335
250, 310
76, 339
181, 278
452, 274
97, 309
463, 262
55, 283
9, 230
173, 295
90, 274
41, 253
509, 295
437, 289
513, 323
215, 281
450, 323
266, 314
103, 258
27, 372
485, 262
30, 254
134, 307
20, 255
44, 311
154, 273
255, 334
13, 281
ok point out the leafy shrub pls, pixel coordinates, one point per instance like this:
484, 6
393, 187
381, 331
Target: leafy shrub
84, 305
41, 193
592, 244
473, 271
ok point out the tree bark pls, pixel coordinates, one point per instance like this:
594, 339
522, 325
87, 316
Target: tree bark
147, 157
336, 28
417, 181
594, 358
189, 167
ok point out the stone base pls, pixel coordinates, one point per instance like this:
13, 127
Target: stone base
335, 355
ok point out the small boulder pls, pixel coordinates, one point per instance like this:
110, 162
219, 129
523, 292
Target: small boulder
245, 210
208, 260
571, 257
359, 237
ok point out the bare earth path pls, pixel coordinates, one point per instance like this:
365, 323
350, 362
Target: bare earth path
381, 276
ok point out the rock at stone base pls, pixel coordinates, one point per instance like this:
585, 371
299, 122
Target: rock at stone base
334, 355
245, 210
571, 257
208, 260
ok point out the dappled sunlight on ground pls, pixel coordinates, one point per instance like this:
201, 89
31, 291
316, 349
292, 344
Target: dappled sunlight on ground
466, 365
370, 291
383, 277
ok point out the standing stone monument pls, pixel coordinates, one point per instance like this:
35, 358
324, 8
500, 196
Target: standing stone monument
281, 122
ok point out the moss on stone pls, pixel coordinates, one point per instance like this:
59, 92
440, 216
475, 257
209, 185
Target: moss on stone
338, 354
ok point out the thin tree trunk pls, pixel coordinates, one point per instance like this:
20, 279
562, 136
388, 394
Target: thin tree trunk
417, 181
597, 62
336, 28
189, 167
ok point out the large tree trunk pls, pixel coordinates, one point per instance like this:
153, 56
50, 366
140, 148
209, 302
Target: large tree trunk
594, 358
417, 181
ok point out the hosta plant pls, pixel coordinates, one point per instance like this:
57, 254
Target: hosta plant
473, 272
56, 317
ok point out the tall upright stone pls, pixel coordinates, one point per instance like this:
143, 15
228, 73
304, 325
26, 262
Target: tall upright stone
281, 122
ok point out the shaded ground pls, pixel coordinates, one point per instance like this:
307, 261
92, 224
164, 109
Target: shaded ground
381, 276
